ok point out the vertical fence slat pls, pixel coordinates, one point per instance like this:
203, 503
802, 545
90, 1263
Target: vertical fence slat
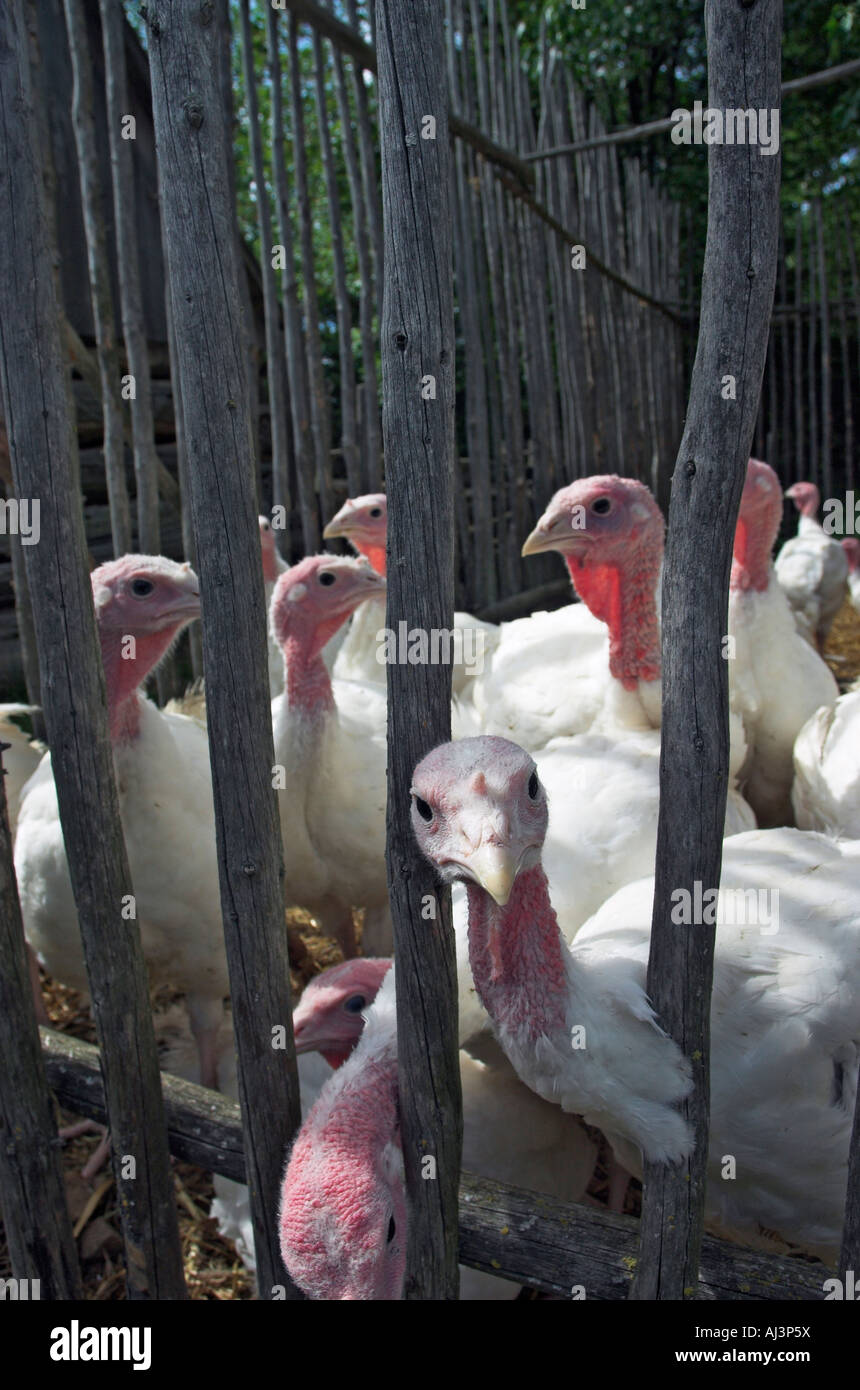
293, 335
99, 271
370, 462
128, 275
276, 367
737, 299
826, 405
320, 425
43, 448
190, 142
346, 360
417, 341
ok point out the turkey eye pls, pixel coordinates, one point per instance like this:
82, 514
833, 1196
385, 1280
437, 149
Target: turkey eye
355, 1004
601, 506
392, 1230
424, 811
141, 587
375, 512
327, 578
533, 786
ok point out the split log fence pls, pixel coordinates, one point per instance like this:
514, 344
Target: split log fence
563, 317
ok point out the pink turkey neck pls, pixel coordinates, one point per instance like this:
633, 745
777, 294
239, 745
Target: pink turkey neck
125, 675
623, 596
339, 1145
374, 553
809, 505
517, 957
756, 530
307, 683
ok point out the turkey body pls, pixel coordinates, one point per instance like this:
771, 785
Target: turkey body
784, 1036
812, 571
165, 798
333, 807
826, 791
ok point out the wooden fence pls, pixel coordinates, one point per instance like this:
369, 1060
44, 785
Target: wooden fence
571, 345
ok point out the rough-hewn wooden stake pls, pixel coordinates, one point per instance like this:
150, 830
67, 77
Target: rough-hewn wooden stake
346, 358
276, 367
320, 421
128, 274
43, 447
737, 298
32, 1194
418, 436
100, 286
294, 341
192, 152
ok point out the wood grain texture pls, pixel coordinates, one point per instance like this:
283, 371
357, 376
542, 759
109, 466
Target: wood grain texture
44, 460
99, 271
523, 1236
32, 1191
294, 343
418, 438
191, 139
737, 297
128, 275
276, 367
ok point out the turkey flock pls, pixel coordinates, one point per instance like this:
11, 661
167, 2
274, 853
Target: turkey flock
542, 815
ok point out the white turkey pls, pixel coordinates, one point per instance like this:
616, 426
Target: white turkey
559, 673
826, 792
604, 785
165, 795
20, 758
776, 679
273, 566
330, 755
363, 521
812, 569
851, 546
577, 1025
343, 1207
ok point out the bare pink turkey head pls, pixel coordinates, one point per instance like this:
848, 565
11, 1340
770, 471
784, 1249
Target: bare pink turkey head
142, 603
610, 532
272, 563
315, 597
758, 523
328, 1017
805, 497
343, 1201
851, 546
479, 812
363, 521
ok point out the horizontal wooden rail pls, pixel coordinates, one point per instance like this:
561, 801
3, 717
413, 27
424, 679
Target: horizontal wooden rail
641, 132
522, 1236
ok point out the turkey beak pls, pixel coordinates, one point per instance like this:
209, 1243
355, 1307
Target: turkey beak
551, 532
339, 524
495, 867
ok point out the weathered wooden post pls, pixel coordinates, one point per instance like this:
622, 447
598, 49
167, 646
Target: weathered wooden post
193, 154
43, 447
276, 366
100, 285
120, 138
38, 1229
418, 434
737, 297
